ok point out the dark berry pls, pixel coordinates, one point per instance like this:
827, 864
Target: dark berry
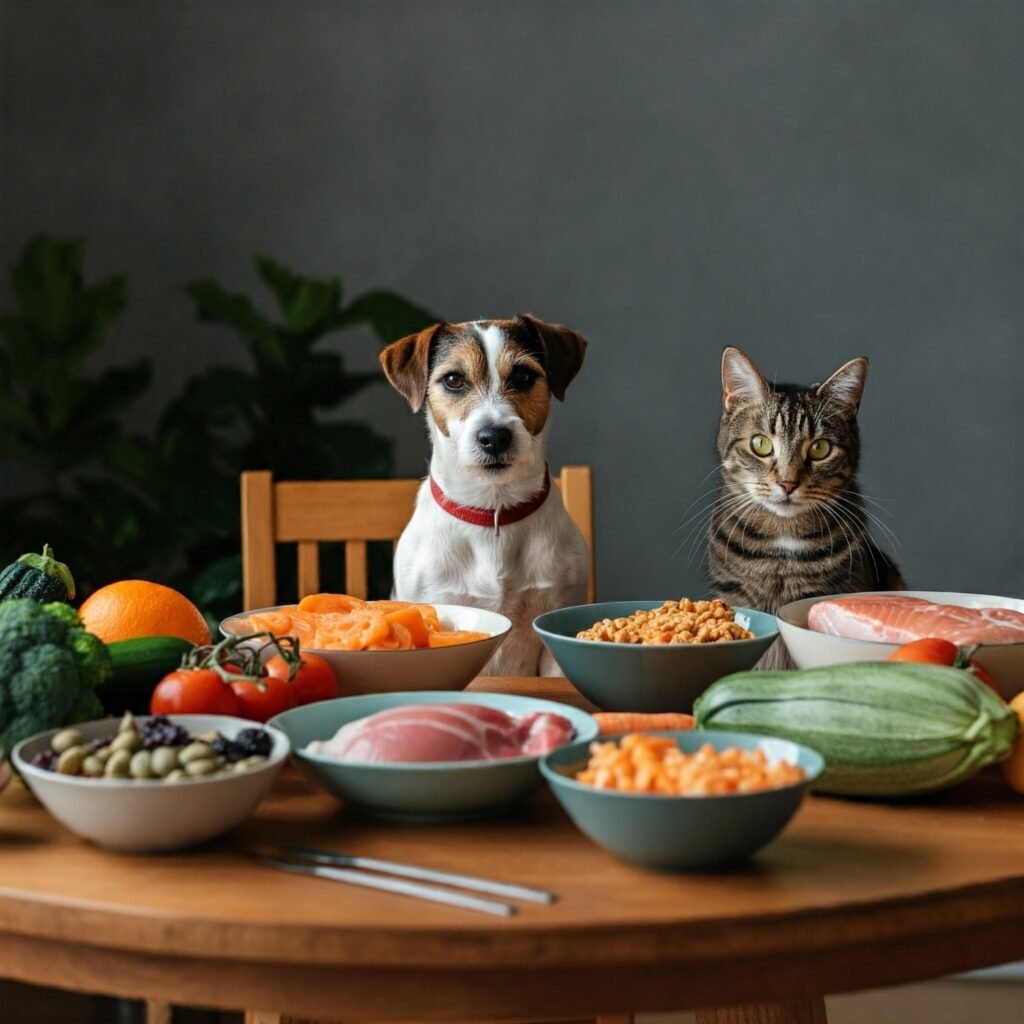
45, 759
254, 741
162, 732
228, 749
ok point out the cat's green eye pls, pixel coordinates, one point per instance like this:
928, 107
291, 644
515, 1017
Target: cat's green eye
761, 445
820, 448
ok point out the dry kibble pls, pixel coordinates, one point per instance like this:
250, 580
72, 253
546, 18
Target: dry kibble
675, 622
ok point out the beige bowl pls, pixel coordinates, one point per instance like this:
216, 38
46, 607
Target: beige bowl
432, 668
139, 816
810, 649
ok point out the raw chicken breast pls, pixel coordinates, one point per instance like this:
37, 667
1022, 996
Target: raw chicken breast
897, 619
444, 732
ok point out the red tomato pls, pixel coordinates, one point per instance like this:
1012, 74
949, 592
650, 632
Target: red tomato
314, 680
934, 651
930, 650
193, 691
261, 699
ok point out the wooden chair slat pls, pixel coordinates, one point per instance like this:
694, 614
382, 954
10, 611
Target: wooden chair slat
576, 485
341, 510
356, 582
259, 581
309, 568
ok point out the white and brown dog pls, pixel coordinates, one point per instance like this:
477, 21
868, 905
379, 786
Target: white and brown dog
487, 530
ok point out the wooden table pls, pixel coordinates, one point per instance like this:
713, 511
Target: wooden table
853, 895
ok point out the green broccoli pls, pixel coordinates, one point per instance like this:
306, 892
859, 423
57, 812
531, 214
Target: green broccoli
49, 669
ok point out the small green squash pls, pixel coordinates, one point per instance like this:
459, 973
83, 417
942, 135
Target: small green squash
37, 576
884, 728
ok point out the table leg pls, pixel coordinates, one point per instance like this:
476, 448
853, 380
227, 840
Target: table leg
803, 1011
157, 1013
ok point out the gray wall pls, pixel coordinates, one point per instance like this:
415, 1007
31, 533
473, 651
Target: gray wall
808, 180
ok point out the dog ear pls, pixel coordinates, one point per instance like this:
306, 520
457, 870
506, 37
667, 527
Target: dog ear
406, 364
563, 352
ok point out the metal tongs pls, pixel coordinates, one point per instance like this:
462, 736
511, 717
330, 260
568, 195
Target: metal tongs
373, 873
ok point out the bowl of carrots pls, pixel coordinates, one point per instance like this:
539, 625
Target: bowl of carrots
682, 800
384, 646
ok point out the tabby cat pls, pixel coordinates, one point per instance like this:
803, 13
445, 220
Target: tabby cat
789, 521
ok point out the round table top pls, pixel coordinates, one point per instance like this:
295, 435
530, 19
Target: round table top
853, 894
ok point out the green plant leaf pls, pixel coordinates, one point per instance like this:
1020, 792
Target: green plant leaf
216, 305
309, 304
390, 316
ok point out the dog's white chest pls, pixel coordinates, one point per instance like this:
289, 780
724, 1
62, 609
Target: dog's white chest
524, 569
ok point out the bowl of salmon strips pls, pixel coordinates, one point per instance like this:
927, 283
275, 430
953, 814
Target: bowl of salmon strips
653, 656
682, 800
841, 628
384, 646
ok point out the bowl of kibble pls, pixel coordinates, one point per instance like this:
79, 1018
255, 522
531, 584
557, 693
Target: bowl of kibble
653, 656
682, 800
149, 784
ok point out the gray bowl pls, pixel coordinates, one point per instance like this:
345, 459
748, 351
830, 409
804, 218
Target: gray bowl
646, 677
429, 791
682, 832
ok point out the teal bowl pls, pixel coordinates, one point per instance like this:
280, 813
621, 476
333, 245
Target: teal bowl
682, 832
646, 677
426, 791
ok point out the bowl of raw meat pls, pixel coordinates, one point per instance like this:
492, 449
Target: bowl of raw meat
384, 646
430, 756
868, 627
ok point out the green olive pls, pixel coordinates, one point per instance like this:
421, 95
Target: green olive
761, 445
820, 448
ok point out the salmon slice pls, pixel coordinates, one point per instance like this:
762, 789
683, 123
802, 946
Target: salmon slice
897, 619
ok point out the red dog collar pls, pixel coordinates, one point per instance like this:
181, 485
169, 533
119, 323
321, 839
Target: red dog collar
495, 517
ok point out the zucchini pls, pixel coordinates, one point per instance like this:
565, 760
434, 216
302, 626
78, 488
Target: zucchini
40, 577
884, 728
138, 665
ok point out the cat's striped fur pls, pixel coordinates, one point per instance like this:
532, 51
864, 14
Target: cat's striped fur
791, 523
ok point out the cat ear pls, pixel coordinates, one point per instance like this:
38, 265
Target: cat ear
741, 380
845, 387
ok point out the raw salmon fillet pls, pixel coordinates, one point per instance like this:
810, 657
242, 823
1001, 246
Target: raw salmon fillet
896, 619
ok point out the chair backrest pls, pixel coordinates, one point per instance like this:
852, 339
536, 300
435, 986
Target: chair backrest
308, 513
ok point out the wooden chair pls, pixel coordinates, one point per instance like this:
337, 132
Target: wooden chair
308, 513
355, 512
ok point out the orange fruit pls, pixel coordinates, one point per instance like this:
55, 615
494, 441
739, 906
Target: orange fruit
1013, 766
133, 608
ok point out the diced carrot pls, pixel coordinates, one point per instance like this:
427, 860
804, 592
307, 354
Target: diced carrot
278, 622
451, 637
398, 639
634, 721
330, 603
354, 631
412, 620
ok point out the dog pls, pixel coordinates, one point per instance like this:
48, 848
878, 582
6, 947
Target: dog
488, 529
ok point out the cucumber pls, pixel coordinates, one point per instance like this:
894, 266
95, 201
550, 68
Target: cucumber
884, 728
138, 665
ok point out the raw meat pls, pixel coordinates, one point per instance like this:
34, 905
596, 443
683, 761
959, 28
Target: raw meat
897, 619
444, 732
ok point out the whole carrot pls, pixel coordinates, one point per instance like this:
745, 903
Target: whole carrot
635, 721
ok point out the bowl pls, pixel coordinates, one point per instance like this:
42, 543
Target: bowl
682, 832
426, 791
646, 677
148, 817
811, 649
428, 668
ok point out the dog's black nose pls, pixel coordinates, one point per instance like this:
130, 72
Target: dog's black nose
495, 440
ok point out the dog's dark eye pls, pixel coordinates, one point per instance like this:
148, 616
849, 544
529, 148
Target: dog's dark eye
454, 381
522, 378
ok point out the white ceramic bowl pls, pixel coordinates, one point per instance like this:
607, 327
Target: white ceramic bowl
432, 668
810, 649
148, 817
